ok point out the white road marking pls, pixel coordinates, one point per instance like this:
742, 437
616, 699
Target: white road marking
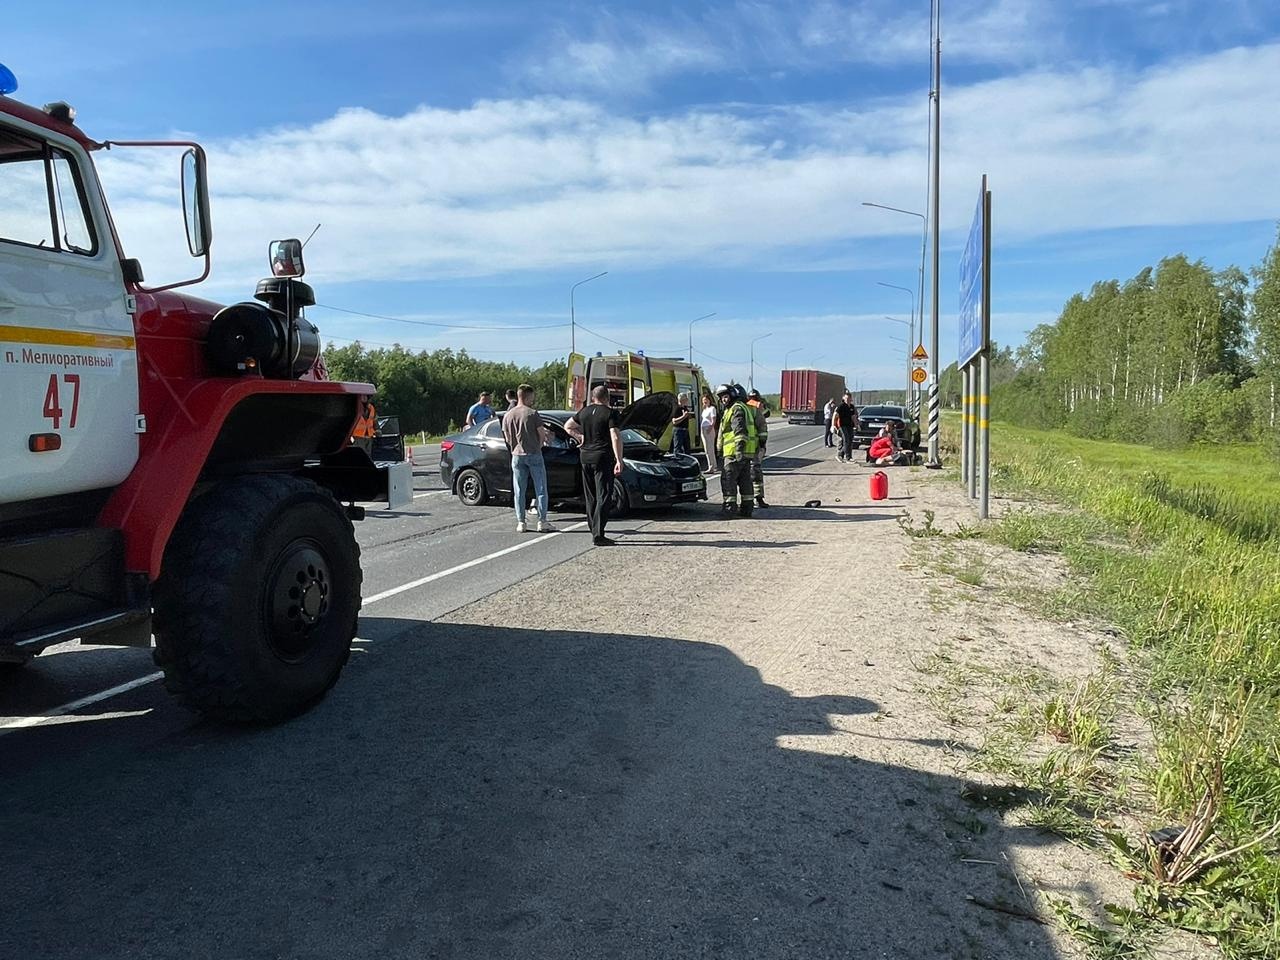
18, 723
440, 575
770, 456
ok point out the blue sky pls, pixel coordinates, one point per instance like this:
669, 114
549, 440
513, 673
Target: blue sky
470, 161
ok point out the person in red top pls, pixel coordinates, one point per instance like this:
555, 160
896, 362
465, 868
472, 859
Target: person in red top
883, 448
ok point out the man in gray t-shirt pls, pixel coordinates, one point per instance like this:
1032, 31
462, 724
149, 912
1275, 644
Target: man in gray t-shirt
525, 433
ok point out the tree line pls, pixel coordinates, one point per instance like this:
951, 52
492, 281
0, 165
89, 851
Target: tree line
430, 391
1179, 353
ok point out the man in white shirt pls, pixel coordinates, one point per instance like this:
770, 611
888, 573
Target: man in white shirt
827, 412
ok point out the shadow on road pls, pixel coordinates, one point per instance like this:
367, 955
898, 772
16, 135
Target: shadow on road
483, 792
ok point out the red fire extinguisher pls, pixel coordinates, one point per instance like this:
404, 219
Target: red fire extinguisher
879, 485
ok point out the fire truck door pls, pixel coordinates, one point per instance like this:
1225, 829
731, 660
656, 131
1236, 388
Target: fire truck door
68, 363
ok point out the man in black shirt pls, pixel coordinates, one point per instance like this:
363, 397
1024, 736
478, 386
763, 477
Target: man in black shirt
846, 414
595, 427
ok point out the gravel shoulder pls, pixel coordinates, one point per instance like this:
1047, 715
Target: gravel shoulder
733, 751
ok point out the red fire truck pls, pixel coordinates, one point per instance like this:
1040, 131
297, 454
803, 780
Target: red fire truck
171, 467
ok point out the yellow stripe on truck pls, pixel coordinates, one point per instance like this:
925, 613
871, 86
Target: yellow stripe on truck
65, 338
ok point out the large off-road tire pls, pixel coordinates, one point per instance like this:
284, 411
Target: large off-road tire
471, 488
257, 603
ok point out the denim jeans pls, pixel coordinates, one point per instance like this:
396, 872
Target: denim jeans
523, 469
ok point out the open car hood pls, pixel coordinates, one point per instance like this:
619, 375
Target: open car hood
649, 415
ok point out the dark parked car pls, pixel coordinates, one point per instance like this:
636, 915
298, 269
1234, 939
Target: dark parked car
476, 465
872, 418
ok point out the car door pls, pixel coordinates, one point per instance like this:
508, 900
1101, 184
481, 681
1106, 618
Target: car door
560, 454
68, 358
495, 458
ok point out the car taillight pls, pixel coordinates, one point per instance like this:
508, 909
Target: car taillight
446, 445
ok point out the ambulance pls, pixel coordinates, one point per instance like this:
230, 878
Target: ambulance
630, 375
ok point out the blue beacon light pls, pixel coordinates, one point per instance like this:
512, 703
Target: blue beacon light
8, 82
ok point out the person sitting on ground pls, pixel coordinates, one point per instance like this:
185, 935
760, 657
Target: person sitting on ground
883, 448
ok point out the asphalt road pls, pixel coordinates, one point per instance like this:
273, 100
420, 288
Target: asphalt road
132, 828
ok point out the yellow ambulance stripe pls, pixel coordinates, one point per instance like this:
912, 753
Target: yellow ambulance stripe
65, 338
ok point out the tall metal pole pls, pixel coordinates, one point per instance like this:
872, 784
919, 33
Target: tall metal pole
935, 459
573, 323
705, 316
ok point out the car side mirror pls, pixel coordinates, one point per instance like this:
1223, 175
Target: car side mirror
195, 202
286, 258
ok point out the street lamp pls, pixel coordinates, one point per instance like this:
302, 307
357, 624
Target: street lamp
705, 316
573, 329
751, 377
924, 240
910, 333
786, 357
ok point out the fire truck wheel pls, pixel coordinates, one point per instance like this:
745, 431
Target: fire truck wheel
471, 489
258, 600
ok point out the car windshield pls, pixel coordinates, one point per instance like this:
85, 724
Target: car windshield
872, 412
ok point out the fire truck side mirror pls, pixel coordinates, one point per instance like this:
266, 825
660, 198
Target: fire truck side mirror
195, 202
286, 258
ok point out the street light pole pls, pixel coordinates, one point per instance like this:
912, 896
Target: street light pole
910, 333
751, 377
924, 243
935, 31
786, 357
705, 316
573, 327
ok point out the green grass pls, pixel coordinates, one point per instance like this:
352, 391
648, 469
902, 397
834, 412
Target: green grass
1181, 551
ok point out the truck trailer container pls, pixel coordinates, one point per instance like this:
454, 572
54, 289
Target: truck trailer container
806, 391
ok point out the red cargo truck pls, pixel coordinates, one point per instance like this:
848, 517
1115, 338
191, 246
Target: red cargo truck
806, 391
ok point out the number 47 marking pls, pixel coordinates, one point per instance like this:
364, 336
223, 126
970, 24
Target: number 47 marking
53, 402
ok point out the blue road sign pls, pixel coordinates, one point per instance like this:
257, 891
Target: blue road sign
972, 284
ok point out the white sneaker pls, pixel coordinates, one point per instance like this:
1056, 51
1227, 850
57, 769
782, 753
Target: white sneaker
545, 527
520, 527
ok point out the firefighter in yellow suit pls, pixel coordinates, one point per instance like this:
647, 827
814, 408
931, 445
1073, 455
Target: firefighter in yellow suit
738, 443
761, 412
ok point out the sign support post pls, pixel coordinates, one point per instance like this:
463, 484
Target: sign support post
964, 424
975, 353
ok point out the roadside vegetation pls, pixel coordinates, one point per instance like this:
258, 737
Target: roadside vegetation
1177, 354
430, 391
1167, 755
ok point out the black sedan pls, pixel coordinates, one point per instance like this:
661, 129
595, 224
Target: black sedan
872, 418
476, 464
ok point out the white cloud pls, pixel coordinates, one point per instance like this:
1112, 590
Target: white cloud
516, 185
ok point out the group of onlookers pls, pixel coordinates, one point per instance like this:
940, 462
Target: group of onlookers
595, 427
482, 409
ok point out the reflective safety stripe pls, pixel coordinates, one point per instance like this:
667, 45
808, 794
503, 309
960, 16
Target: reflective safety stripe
65, 338
729, 441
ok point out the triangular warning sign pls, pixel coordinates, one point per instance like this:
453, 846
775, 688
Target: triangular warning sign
920, 353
